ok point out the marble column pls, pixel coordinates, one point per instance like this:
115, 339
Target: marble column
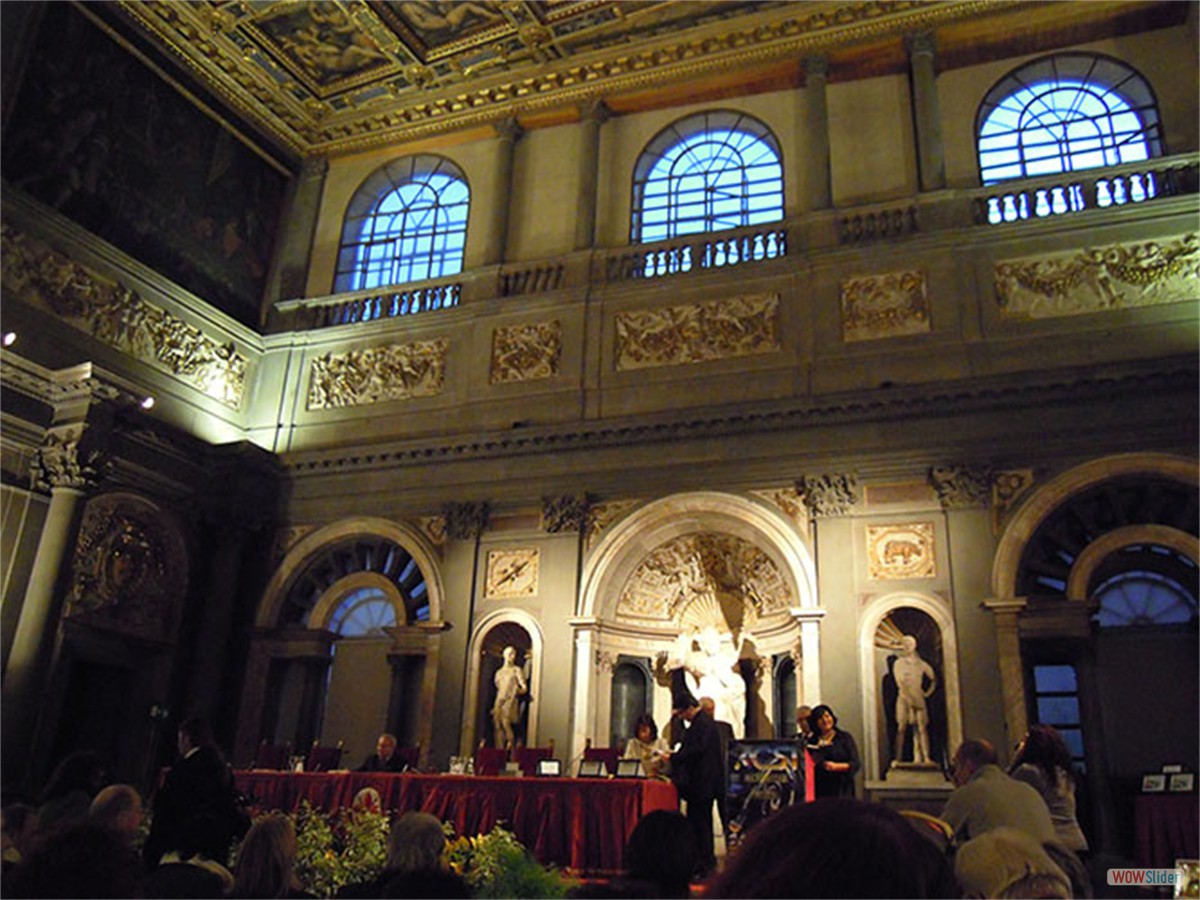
815, 147
67, 472
931, 154
584, 707
1012, 675
808, 686
508, 133
591, 117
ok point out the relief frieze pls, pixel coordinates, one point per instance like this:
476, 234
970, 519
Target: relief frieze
378, 374
700, 332
1096, 279
116, 316
883, 306
526, 352
901, 551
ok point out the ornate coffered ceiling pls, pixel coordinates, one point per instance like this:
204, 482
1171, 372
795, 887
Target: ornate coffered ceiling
329, 77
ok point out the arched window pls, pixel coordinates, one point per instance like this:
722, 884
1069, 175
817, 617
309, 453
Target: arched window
408, 222
707, 172
365, 612
1152, 585
1064, 113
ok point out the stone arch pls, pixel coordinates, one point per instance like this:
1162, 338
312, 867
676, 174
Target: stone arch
1044, 500
326, 606
1114, 541
310, 547
470, 738
601, 635
939, 610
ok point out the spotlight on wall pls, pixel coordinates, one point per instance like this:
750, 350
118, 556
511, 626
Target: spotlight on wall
147, 403
10, 338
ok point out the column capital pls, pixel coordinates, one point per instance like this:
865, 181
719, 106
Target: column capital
921, 43
595, 110
816, 67
962, 486
804, 614
1006, 605
69, 458
466, 520
827, 496
509, 130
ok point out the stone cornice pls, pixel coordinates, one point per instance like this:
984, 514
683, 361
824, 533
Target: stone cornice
928, 401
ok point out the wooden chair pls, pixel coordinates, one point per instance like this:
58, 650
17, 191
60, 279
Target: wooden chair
272, 756
606, 755
527, 757
490, 760
323, 759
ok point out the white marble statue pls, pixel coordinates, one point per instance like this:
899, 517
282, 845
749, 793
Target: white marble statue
709, 659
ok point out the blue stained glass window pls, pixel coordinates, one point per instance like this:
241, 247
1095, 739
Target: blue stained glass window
1065, 113
408, 222
708, 172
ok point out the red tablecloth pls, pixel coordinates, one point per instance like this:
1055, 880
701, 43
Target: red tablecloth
579, 824
1167, 828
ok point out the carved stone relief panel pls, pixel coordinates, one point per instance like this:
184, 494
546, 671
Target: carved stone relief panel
129, 571
119, 318
703, 579
434, 527
511, 573
961, 486
526, 352
883, 306
1095, 279
901, 551
1007, 488
287, 538
378, 374
700, 332
602, 515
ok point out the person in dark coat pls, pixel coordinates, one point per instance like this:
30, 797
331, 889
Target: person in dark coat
199, 782
699, 774
384, 759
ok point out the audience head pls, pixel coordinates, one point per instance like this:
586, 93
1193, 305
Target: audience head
662, 851
835, 847
818, 723
645, 729
81, 771
803, 714
266, 865
20, 824
1008, 862
709, 705
78, 859
972, 755
416, 841
1045, 748
205, 834
432, 884
119, 806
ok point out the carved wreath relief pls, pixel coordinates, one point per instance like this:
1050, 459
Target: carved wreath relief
378, 374
882, 306
119, 318
680, 335
512, 573
526, 352
1119, 276
901, 551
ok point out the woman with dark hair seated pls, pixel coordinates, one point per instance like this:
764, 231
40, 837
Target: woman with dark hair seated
834, 754
647, 747
1044, 761
836, 847
266, 865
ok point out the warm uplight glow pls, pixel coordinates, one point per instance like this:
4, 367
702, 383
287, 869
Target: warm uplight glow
10, 338
148, 403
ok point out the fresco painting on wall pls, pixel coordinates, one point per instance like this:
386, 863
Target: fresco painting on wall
106, 142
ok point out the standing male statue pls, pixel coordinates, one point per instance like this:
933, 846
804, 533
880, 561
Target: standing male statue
915, 682
506, 711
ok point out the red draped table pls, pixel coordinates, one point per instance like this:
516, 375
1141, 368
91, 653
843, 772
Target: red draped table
1167, 828
579, 824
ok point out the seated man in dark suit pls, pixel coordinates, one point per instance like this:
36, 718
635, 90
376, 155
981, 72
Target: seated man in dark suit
384, 759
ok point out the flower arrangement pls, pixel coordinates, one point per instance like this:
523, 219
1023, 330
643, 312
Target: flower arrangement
335, 851
497, 865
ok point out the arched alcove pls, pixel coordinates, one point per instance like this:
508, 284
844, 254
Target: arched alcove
494, 632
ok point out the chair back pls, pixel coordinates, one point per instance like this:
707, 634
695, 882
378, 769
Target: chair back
272, 756
606, 755
323, 759
490, 760
527, 758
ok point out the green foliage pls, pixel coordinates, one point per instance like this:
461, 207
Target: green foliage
335, 851
497, 865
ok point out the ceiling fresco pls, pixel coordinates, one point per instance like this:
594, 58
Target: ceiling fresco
326, 77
